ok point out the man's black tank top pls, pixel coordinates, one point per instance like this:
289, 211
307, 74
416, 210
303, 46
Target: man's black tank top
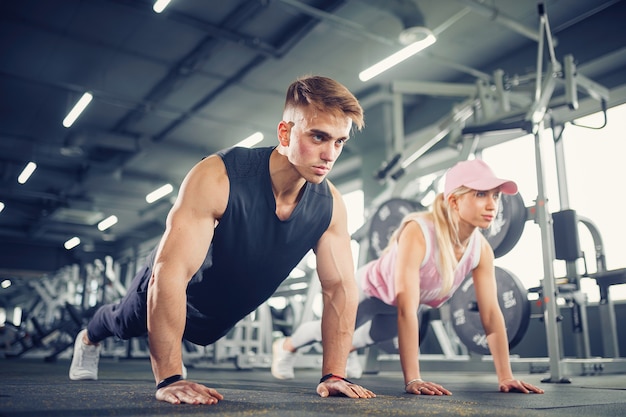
252, 251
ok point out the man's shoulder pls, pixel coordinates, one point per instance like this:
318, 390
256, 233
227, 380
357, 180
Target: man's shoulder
241, 152
326, 189
245, 162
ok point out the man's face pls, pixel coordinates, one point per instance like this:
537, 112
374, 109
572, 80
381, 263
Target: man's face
314, 141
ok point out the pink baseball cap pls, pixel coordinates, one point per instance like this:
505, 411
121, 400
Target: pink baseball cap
477, 175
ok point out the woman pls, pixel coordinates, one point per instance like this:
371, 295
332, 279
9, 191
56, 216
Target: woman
426, 260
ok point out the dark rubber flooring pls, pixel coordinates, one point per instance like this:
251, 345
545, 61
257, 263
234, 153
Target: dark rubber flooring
32, 387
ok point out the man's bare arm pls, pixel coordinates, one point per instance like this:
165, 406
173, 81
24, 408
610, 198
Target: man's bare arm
335, 268
182, 250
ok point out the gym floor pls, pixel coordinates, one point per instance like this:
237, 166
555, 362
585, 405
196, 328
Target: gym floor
32, 387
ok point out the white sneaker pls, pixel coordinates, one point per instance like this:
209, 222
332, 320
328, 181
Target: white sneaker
282, 361
354, 370
85, 359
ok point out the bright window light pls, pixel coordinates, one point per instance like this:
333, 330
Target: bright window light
396, 58
251, 140
586, 187
72, 243
27, 172
1, 206
106, 223
298, 286
311, 260
297, 273
77, 110
160, 5
159, 193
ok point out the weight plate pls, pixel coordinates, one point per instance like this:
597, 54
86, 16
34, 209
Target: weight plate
508, 225
387, 218
391, 345
283, 320
513, 301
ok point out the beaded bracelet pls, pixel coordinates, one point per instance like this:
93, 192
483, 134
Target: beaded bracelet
412, 381
169, 381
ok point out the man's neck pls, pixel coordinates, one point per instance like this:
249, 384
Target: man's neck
287, 184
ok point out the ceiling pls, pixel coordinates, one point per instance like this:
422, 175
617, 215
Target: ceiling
173, 87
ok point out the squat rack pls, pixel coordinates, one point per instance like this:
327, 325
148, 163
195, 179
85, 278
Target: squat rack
491, 105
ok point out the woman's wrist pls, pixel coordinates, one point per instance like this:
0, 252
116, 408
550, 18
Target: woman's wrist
503, 380
414, 380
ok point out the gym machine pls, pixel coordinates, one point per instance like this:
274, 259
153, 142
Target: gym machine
498, 109
50, 319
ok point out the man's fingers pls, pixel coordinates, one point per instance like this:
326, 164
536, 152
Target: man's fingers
362, 392
337, 387
188, 392
170, 398
349, 391
213, 392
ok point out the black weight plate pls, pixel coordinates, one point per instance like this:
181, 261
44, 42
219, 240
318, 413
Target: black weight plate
283, 320
513, 301
391, 346
508, 225
387, 218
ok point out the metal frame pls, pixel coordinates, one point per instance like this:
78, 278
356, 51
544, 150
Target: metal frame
489, 105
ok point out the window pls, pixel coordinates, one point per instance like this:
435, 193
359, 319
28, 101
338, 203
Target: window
594, 165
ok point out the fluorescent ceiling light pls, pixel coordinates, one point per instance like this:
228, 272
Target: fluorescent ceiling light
395, 59
27, 172
251, 140
1, 206
160, 5
159, 193
72, 243
77, 110
106, 223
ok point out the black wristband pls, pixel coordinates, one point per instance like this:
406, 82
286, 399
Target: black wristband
328, 376
169, 381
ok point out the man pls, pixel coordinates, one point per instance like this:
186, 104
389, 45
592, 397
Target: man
243, 219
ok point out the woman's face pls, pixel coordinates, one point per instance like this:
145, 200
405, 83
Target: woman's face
478, 208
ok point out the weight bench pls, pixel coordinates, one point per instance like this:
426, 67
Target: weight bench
567, 246
604, 280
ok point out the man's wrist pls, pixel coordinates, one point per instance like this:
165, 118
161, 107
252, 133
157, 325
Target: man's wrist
333, 376
169, 381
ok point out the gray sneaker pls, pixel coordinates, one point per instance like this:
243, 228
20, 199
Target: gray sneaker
85, 359
282, 361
